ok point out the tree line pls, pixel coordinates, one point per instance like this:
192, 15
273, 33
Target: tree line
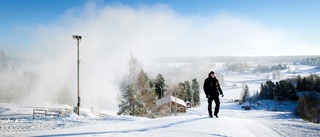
312, 61
310, 83
242, 67
286, 89
308, 103
140, 92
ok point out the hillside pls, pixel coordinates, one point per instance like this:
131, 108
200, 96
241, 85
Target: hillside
16, 120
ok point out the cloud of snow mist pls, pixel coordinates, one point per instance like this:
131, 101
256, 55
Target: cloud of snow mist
111, 32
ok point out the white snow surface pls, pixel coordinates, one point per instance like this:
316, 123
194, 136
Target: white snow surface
17, 120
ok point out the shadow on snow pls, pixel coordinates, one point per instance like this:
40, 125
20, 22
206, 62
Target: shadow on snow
126, 131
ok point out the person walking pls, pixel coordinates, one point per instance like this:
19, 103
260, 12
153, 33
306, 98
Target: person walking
212, 90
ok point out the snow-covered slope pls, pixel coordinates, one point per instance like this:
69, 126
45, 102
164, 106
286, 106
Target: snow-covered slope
16, 120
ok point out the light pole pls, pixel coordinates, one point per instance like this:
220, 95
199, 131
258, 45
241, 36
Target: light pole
78, 38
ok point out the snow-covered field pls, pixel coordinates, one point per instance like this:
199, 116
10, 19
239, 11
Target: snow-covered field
17, 120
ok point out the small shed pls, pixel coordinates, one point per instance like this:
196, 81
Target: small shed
189, 104
172, 102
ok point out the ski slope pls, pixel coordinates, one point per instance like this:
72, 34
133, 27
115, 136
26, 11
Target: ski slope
16, 120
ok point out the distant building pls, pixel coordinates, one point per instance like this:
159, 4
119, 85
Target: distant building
172, 101
189, 104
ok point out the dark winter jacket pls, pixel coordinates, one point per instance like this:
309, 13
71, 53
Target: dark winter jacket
211, 86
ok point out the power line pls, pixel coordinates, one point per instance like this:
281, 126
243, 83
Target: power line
95, 72
91, 69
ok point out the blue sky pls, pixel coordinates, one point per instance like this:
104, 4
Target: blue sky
20, 17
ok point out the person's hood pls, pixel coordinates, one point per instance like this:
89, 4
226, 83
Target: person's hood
211, 72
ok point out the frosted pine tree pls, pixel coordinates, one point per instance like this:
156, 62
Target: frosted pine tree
146, 89
131, 102
196, 92
160, 86
189, 96
131, 99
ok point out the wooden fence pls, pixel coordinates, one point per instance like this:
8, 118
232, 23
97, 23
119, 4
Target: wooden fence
58, 112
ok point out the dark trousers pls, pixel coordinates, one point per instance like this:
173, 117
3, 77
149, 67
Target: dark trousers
217, 107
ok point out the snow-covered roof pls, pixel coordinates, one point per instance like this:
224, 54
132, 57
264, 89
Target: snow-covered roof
169, 99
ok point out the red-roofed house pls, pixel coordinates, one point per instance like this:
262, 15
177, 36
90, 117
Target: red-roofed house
172, 102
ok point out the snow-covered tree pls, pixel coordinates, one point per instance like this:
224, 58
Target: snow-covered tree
196, 92
145, 88
131, 103
134, 67
188, 92
138, 95
182, 93
131, 99
160, 86
245, 94
176, 91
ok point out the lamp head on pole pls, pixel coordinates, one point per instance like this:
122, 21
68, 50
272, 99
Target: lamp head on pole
76, 37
